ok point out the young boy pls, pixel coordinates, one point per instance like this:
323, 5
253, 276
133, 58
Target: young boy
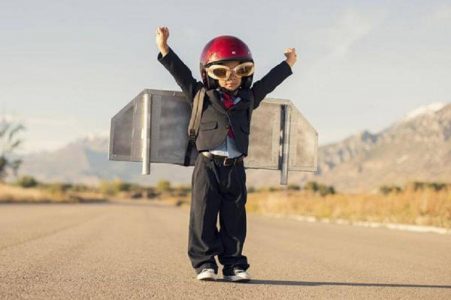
219, 178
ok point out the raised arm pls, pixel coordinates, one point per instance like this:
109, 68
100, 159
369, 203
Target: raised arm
181, 73
161, 38
274, 77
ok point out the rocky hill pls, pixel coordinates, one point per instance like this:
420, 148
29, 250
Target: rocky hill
417, 147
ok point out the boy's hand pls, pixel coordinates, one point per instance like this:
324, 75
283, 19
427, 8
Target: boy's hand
291, 56
161, 38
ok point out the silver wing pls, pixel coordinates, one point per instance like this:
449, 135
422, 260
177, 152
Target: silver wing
152, 128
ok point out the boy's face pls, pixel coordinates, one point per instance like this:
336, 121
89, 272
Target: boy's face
233, 82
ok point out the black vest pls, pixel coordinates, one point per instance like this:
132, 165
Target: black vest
215, 121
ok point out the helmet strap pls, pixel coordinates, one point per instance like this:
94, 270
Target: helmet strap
246, 82
212, 83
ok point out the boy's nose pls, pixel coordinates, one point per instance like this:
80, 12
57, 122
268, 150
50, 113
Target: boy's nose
232, 75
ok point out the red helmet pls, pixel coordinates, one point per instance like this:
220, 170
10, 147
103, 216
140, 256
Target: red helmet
224, 48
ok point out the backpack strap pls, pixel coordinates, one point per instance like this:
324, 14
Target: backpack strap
251, 105
194, 123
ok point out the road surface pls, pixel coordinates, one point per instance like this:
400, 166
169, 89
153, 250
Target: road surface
137, 250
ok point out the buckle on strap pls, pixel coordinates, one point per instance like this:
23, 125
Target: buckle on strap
229, 161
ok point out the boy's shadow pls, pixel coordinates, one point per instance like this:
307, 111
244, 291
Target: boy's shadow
309, 283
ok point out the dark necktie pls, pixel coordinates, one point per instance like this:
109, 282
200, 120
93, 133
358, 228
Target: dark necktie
227, 99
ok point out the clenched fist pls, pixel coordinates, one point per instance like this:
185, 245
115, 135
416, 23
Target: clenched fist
290, 54
161, 38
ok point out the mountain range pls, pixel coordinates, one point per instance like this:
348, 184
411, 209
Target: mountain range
415, 148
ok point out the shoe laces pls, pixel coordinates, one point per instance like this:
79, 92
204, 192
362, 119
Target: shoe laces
208, 270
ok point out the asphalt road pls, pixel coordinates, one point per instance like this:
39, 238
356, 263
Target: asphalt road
136, 250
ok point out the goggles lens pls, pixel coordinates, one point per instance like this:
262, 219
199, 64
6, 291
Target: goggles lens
245, 69
221, 72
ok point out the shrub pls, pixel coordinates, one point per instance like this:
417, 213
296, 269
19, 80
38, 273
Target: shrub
319, 188
182, 190
124, 186
150, 193
58, 187
388, 189
82, 188
273, 189
311, 186
419, 185
164, 186
27, 182
110, 188
293, 187
251, 189
437, 186
326, 190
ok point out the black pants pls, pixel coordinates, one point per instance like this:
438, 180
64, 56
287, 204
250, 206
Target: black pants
217, 190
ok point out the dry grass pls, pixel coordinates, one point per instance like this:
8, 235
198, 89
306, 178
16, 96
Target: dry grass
425, 207
420, 207
175, 200
14, 194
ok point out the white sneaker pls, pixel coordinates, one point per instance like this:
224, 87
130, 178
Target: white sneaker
238, 276
207, 275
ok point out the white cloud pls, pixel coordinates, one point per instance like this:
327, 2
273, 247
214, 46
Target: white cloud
439, 15
40, 121
43, 121
338, 39
9, 118
350, 27
328, 72
37, 145
43, 133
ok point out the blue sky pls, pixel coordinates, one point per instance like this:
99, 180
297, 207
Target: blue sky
68, 66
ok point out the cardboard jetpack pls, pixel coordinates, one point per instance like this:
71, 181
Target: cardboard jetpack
152, 128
